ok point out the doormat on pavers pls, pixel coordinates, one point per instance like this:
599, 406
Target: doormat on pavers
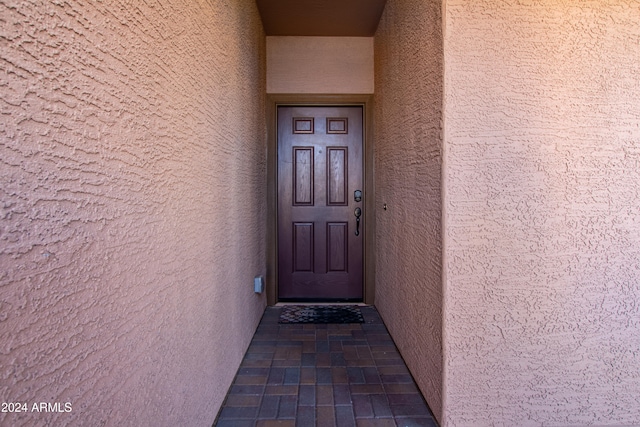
320, 314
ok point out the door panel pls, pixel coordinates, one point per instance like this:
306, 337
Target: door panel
337, 172
337, 248
303, 176
302, 246
319, 168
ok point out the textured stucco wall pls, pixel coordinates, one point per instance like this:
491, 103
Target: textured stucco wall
542, 213
320, 64
132, 145
408, 109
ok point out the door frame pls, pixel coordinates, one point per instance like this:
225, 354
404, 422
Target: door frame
320, 100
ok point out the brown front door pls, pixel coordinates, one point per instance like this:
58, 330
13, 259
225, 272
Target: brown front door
320, 240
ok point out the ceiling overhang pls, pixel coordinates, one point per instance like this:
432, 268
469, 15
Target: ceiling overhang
335, 18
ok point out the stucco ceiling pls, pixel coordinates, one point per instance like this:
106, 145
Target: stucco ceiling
354, 18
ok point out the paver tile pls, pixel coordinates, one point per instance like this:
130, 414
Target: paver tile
321, 375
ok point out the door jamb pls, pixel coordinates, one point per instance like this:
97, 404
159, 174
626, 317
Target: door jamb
319, 100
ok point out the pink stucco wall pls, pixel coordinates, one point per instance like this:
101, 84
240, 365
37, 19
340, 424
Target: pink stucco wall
319, 64
408, 111
132, 146
542, 213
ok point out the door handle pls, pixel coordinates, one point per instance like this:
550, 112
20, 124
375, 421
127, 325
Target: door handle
357, 213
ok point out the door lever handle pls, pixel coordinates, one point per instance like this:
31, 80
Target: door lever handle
357, 213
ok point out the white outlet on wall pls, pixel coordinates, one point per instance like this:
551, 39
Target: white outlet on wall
258, 284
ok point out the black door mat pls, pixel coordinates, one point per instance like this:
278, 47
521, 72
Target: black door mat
320, 314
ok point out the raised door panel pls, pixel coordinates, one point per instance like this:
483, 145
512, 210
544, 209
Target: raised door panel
337, 172
337, 249
303, 176
303, 246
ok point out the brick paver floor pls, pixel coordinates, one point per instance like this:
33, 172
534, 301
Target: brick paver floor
323, 375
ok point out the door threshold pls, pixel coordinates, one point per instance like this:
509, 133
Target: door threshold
282, 304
